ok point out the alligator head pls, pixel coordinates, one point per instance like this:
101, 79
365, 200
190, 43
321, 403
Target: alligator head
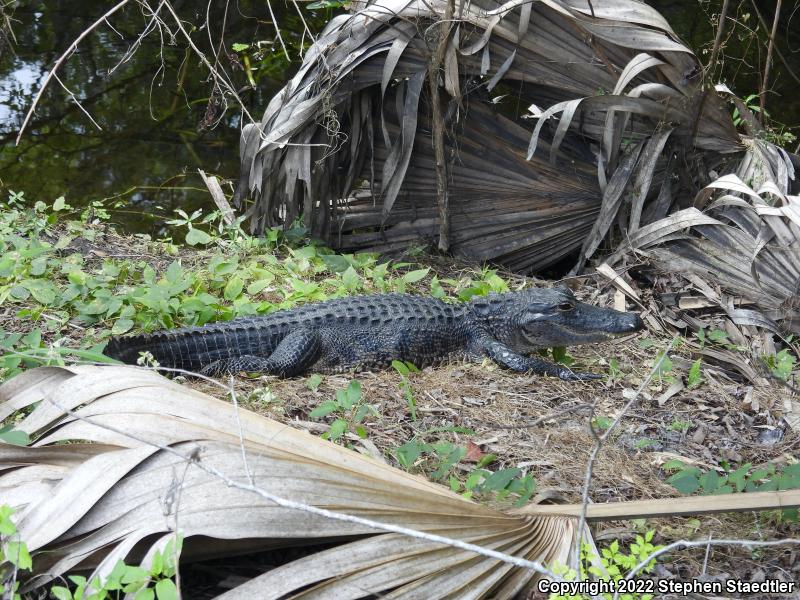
545, 317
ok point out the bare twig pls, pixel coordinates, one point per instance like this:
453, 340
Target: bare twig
600, 440
723, 15
682, 544
60, 60
786, 64
765, 82
229, 88
77, 102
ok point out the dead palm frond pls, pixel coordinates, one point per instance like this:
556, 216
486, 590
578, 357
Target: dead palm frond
124, 460
88, 494
346, 143
746, 242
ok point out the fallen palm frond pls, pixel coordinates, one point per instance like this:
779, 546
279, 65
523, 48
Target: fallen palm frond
346, 143
746, 242
87, 505
124, 459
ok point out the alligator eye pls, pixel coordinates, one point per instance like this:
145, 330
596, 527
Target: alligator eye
566, 306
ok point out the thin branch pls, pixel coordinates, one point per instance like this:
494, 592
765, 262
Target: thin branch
600, 440
205, 61
60, 60
77, 102
723, 15
278, 31
763, 94
682, 544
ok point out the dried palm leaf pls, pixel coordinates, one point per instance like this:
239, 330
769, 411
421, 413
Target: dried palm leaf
747, 241
123, 459
616, 76
88, 494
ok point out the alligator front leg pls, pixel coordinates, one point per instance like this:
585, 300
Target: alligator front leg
294, 354
506, 357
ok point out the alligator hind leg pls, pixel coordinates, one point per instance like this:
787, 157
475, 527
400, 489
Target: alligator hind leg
293, 355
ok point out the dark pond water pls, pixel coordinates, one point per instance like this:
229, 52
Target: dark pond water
158, 124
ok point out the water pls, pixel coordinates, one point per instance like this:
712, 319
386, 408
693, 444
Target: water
152, 107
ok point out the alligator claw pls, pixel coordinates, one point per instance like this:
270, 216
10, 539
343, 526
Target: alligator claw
568, 375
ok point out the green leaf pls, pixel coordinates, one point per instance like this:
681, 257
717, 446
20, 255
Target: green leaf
77, 277
351, 279
145, 594
61, 593
196, 236
121, 326
414, 276
257, 286
17, 554
19, 293
363, 411
338, 427
32, 339
239, 47
694, 378
314, 381
336, 263
323, 409
485, 460
233, 288
353, 393
14, 436
400, 367
685, 483
174, 272
134, 574
38, 266
166, 590
500, 479
437, 291
710, 481
718, 336
673, 464
645, 443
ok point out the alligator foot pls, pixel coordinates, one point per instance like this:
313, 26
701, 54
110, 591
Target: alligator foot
506, 357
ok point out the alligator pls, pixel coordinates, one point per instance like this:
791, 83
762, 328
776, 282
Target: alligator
369, 332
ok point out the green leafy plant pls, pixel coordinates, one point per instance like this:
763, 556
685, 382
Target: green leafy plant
404, 368
781, 364
680, 425
438, 461
694, 378
350, 411
613, 564
688, 479
663, 367
614, 371
14, 555
128, 579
